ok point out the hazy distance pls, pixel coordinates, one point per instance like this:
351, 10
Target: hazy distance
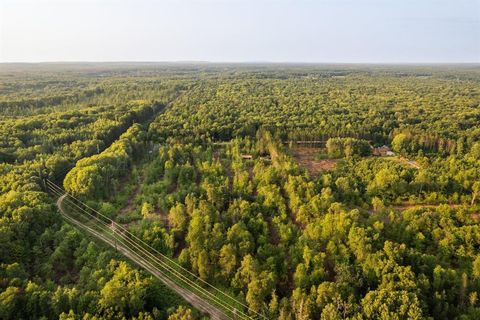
388, 31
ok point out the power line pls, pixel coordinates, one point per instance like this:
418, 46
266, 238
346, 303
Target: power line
130, 241
176, 274
203, 307
59, 191
159, 253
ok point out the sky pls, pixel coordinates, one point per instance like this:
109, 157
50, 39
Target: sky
328, 31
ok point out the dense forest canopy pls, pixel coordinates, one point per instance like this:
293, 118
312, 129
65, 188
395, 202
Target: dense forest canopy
306, 191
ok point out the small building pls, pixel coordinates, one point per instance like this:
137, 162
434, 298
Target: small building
383, 151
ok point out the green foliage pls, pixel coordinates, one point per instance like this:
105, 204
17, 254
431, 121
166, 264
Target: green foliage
93, 177
215, 186
347, 147
48, 270
125, 292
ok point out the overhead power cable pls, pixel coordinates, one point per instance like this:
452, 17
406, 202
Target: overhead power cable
139, 244
159, 262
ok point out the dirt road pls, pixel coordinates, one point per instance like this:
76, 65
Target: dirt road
193, 299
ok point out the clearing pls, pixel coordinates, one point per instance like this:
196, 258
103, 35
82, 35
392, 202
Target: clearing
305, 156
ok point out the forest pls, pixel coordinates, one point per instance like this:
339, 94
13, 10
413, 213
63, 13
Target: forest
304, 191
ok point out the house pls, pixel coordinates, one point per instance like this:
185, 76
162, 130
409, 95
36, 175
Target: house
383, 151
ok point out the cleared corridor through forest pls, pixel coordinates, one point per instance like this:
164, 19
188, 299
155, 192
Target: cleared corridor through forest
214, 302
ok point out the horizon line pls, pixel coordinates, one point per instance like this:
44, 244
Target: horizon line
240, 62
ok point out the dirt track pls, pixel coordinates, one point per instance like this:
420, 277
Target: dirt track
193, 299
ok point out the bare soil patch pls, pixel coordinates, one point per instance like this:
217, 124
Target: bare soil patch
410, 163
305, 157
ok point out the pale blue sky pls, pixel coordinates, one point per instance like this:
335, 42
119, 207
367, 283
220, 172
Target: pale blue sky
240, 31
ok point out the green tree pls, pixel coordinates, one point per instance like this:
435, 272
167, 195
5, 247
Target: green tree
182, 313
125, 292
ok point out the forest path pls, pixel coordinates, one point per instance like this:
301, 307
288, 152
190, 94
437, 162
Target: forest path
193, 299
130, 205
411, 163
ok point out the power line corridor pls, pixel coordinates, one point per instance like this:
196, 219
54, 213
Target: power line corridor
198, 292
